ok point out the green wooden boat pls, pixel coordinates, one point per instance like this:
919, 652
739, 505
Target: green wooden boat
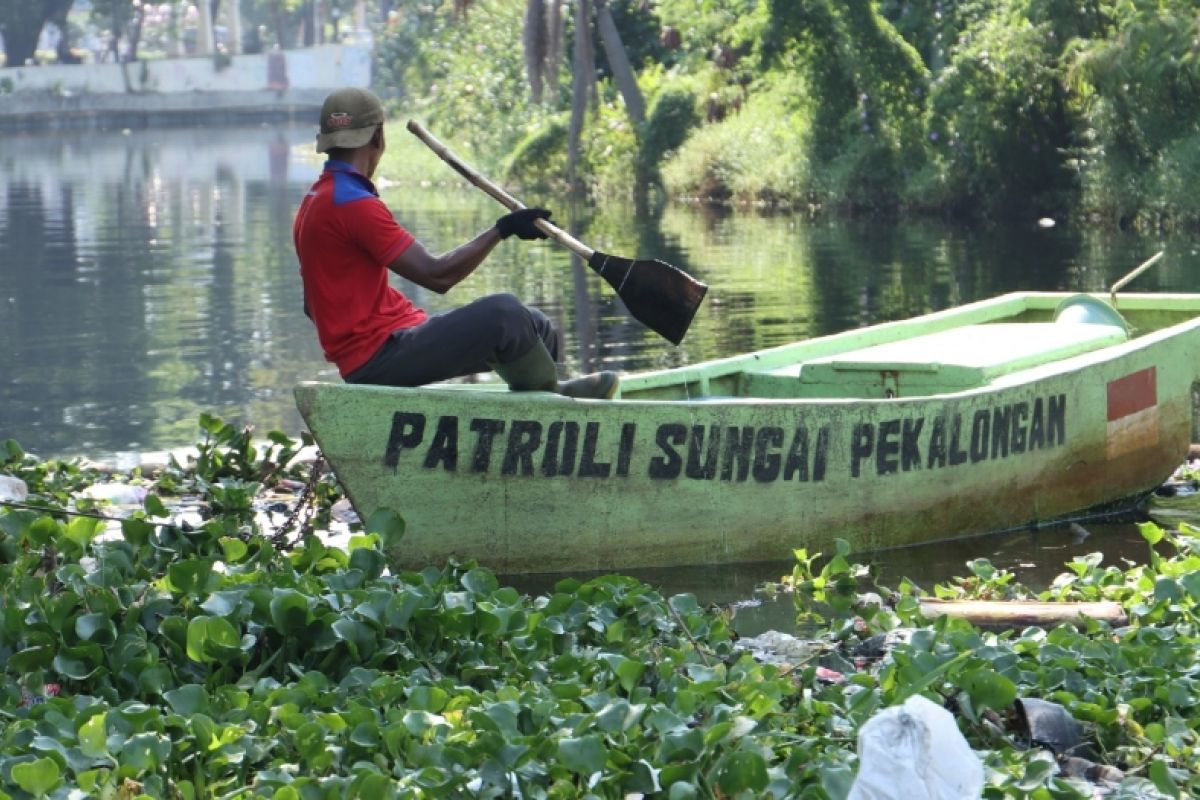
1023, 409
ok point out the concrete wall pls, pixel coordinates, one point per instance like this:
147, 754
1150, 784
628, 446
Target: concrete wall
285, 84
325, 67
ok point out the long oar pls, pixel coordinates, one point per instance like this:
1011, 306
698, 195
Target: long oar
662, 297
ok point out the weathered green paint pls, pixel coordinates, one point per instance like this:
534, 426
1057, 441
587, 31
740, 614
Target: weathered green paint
982, 418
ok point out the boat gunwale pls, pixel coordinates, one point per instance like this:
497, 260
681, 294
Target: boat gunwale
1003, 307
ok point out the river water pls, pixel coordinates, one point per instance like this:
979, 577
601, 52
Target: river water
149, 276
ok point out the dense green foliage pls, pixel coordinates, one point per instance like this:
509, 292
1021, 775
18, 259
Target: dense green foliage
151, 656
980, 108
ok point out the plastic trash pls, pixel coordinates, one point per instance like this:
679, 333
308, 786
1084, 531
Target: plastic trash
13, 490
915, 751
117, 493
1049, 725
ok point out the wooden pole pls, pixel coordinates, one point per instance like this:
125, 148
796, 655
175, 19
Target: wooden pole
1023, 613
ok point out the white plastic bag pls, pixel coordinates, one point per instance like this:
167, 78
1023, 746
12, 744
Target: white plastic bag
13, 490
117, 493
915, 751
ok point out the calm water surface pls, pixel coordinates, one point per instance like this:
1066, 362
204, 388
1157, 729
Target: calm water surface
147, 277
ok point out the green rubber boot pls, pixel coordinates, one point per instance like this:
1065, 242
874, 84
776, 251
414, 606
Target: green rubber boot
535, 372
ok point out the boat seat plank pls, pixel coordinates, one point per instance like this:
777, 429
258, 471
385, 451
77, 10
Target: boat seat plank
948, 360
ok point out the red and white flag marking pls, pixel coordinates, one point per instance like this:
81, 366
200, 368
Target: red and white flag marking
1132, 412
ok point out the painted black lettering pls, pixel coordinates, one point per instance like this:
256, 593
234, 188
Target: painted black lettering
487, 429
910, 444
766, 461
625, 451
1056, 421
862, 444
444, 448
821, 455
957, 454
1020, 413
559, 459
887, 451
981, 431
937, 443
797, 457
708, 470
1000, 431
589, 467
739, 447
669, 464
524, 437
1037, 426
407, 431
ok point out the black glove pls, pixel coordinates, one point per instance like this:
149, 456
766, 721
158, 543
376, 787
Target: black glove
522, 224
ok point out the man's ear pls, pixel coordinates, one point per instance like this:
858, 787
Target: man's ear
377, 137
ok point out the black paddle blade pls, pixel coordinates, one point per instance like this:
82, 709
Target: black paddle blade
662, 297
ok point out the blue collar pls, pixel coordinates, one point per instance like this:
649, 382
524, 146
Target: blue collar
348, 183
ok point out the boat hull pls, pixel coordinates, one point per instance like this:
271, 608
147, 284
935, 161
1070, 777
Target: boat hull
534, 482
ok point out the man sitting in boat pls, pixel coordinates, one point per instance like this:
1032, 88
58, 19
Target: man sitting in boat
347, 240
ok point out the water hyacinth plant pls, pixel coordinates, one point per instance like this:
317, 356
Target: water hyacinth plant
206, 659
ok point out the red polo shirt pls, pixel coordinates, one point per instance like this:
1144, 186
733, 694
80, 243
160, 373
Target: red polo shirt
345, 237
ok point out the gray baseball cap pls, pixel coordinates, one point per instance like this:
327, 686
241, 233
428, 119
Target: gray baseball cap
348, 119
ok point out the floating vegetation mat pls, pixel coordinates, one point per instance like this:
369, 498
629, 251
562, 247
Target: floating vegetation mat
148, 652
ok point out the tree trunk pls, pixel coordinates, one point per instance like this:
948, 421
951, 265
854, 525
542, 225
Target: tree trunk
619, 61
21, 31
554, 46
57, 12
582, 74
135, 31
534, 39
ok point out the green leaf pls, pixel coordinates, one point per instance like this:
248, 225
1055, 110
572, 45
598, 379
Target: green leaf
92, 740
190, 577
370, 561
989, 689
480, 582
1166, 589
234, 550
1150, 532
212, 639
154, 506
81, 530
584, 755
137, 531
145, 752
289, 610
42, 531
37, 777
1160, 775
629, 673
310, 740
741, 771
189, 699
76, 663
31, 658
389, 525
95, 628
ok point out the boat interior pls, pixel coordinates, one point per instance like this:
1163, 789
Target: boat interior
940, 353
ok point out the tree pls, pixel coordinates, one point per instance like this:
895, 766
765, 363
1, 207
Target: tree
21, 23
542, 37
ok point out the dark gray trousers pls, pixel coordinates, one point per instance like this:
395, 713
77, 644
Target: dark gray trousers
496, 329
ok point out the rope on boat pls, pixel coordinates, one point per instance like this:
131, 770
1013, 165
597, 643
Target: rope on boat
300, 516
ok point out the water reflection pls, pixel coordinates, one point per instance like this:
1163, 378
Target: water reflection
1035, 557
150, 276
146, 277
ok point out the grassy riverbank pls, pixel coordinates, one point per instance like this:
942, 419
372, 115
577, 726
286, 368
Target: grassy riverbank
224, 653
1004, 108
